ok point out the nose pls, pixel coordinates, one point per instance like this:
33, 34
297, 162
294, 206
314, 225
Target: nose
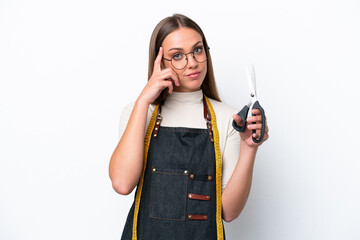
192, 63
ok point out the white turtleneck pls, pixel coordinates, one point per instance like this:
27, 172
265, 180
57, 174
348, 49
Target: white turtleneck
185, 109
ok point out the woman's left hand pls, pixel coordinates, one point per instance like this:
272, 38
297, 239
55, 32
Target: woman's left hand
253, 123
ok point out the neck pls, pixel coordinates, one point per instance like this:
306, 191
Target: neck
194, 97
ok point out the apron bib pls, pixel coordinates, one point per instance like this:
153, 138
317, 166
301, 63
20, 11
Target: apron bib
179, 192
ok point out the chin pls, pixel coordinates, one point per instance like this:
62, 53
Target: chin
193, 86
190, 85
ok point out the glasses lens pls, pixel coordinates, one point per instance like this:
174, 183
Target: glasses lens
200, 56
179, 62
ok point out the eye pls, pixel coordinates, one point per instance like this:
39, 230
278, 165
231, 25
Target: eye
177, 56
198, 50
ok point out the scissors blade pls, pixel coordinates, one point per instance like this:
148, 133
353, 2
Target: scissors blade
250, 73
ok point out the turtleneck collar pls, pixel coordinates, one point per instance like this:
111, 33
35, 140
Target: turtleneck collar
185, 97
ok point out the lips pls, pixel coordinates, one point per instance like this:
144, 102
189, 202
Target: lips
193, 75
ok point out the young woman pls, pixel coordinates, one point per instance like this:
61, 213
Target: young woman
191, 168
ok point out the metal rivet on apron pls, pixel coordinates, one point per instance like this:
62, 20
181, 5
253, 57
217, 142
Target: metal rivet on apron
205, 217
189, 216
207, 197
156, 128
155, 135
154, 169
186, 171
209, 178
191, 176
190, 196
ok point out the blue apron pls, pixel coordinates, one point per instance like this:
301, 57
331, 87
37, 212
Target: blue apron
178, 195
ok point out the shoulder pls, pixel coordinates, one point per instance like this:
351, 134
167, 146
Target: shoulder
127, 110
222, 108
130, 106
223, 113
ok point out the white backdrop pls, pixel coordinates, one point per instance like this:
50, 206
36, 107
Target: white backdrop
68, 67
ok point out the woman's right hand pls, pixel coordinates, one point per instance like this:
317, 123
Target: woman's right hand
160, 79
126, 162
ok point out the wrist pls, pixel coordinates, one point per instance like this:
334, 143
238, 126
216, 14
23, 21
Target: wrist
142, 101
245, 146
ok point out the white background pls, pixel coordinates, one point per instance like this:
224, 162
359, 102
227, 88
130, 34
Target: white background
68, 67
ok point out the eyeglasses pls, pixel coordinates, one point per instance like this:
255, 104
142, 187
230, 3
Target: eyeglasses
180, 60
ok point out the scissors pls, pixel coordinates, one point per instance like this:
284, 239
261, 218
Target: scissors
253, 104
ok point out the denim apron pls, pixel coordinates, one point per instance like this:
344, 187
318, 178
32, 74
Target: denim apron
179, 193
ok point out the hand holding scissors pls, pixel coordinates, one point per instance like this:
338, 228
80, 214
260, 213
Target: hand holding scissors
253, 104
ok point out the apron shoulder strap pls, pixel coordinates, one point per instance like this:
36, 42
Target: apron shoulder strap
207, 116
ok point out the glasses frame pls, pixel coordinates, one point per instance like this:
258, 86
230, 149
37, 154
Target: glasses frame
187, 61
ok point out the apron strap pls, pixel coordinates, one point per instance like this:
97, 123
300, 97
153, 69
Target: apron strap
207, 117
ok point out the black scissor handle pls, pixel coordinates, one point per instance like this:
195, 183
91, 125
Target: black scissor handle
243, 114
257, 106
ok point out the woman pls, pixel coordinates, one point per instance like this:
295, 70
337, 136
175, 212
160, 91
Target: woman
193, 169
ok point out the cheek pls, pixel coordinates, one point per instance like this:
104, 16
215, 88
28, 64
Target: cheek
204, 71
179, 73
165, 64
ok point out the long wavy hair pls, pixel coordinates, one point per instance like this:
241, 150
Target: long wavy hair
164, 28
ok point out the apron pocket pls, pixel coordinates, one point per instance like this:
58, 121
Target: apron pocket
168, 194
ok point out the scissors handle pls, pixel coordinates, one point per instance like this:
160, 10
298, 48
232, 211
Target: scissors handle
257, 106
243, 114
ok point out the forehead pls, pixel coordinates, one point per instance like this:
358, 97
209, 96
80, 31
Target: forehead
181, 38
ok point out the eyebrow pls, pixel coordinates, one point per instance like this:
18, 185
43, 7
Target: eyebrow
171, 49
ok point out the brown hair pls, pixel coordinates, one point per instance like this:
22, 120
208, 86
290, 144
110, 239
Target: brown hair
164, 28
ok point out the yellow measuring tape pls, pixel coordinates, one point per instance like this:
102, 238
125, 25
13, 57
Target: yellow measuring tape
141, 182
218, 159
